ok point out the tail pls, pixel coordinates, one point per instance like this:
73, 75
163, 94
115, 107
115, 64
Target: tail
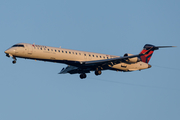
148, 50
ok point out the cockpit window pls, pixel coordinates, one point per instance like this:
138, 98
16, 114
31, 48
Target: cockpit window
18, 45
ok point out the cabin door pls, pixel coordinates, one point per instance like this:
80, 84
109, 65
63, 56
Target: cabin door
30, 49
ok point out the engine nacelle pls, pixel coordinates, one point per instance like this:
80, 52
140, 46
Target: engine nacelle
131, 60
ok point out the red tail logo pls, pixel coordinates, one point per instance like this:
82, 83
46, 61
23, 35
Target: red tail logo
146, 58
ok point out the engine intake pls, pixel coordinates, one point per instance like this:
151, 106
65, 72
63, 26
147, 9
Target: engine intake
131, 60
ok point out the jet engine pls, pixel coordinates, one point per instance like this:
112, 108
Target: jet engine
131, 60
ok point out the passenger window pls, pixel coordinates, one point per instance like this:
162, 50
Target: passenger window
103, 57
51, 49
89, 55
96, 56
55, 50
79, 53
100, 56
84, 54
69, 52
58, 50
66, 51
93, 55
44, 48
41, 48
48, 49
76, 53
72, 52
62, 51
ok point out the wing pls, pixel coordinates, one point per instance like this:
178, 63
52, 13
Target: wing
87, 66
109, 62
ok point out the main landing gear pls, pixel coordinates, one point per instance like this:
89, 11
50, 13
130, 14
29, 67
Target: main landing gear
98, 72
83, 75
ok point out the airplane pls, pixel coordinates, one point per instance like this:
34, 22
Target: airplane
81, 62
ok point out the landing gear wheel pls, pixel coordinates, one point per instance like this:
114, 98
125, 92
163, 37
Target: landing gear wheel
82, 75
98, 72
14, 61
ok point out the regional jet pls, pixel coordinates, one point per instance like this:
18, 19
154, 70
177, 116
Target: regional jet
81, 62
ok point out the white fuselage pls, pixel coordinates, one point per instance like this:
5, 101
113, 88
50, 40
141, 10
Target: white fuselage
60, 55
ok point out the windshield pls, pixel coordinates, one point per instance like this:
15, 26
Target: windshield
18, 45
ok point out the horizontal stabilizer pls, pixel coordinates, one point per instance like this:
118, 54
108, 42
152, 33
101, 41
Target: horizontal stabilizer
152, 47
164, 46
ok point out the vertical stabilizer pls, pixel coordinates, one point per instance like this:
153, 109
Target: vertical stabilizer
147, 51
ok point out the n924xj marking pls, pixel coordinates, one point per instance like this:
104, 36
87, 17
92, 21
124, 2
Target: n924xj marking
81, 62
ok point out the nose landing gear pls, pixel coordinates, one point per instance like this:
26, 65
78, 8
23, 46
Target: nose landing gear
14, 58
14, 61
7, 55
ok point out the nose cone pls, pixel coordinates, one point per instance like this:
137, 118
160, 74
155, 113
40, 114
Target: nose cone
7, 51
149, 66
10, 51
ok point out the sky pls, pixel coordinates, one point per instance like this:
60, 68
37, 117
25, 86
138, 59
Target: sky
33, 90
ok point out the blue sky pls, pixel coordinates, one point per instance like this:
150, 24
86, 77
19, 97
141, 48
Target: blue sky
33, 90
